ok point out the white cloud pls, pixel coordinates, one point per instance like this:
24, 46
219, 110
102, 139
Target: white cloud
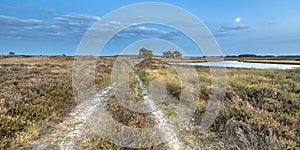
8, 20
81, 17
234, 27
184, 23
138, 18
49, 11
116, 23
60, 27
72, 27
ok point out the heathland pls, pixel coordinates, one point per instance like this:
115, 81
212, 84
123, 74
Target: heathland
260, 110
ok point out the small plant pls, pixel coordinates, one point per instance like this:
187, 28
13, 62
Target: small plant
96, 143
112, 95
140, 95
210, 136
174, 88
201, 107
143, 77
171, 112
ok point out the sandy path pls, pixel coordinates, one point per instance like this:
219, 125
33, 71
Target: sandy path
68, 134
168, 133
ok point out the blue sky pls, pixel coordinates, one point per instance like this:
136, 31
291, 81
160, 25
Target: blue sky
56, 27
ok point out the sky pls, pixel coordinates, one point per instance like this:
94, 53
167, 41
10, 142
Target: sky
56, 27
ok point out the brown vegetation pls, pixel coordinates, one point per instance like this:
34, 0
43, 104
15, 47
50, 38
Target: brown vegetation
35, 93
260, 111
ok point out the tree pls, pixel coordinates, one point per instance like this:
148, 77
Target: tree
11, 53
147, 55
144, 53
168, 54
177, 54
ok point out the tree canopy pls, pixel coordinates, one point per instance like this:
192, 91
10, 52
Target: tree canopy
169, 54
145, 53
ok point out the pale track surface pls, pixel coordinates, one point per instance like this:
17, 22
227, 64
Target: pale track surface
67, 134
168, 133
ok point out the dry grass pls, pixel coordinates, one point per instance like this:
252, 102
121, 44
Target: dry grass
35, 93
261, 108
193, 60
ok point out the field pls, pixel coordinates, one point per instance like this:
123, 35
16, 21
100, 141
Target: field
261, 108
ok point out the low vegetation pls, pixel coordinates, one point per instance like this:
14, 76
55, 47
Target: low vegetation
261, 108
36, 93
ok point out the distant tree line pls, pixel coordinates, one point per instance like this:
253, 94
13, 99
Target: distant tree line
169, 54
148, 54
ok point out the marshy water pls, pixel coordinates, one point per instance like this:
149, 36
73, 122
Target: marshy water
239, 64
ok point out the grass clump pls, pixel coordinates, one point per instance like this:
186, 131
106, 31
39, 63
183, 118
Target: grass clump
201, 107
171, 112
134, 87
